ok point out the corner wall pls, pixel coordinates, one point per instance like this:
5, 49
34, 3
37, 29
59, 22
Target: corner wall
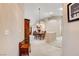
11, 29
70, 35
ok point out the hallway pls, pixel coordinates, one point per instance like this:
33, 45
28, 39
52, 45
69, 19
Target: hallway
41, 48
50, 21
13, 35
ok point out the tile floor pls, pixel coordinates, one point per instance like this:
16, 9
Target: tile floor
41, 48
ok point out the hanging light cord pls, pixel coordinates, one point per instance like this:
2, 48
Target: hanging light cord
39, 14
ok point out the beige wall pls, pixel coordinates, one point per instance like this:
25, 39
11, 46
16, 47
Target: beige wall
11, 28
70, 35
54, 26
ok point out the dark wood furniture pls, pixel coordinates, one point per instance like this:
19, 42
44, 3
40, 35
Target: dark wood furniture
23, 49
39, 35
25, 44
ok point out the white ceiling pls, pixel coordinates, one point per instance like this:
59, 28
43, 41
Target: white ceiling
46, 9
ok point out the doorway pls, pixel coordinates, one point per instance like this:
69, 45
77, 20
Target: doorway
48, 22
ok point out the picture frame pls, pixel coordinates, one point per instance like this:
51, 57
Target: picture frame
73, 12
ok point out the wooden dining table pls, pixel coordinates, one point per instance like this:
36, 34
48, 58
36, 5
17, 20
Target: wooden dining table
39, 35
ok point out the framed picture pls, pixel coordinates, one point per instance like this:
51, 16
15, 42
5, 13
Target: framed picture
73, 12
